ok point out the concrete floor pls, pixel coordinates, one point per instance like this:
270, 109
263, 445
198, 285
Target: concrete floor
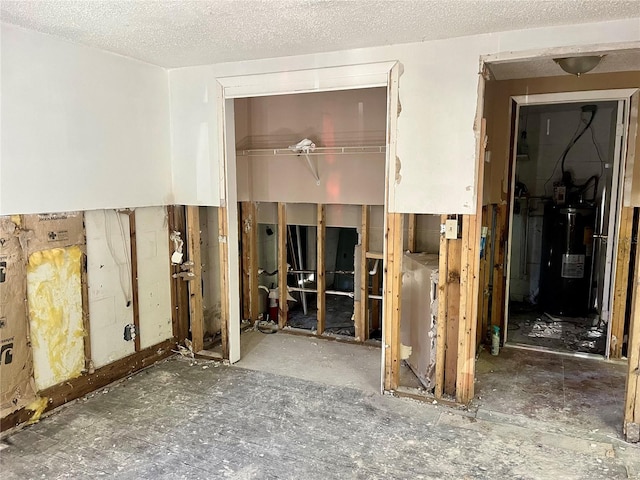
185, 419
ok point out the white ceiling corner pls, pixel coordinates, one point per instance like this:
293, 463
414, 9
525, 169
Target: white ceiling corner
184, 33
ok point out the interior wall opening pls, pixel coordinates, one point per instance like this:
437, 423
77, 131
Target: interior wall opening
564, 211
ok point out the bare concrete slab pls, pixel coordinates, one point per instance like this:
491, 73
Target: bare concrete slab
204, 420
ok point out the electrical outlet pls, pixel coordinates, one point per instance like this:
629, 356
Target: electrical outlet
451, 229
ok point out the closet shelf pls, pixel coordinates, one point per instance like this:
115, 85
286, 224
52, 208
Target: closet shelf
267, 152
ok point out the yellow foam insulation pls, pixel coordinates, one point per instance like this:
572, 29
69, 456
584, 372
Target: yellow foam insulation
37, 406
54, 293
17, 219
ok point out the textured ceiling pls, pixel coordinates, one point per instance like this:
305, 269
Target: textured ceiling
623, 60
182, 33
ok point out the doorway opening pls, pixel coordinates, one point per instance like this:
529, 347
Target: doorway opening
564, 216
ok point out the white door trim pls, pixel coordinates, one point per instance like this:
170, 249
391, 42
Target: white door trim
345, 77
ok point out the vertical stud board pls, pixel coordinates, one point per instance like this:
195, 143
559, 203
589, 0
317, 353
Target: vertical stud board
469, 286
225, 318
632, 392
452, 284
282, 265
254, 292
320, 268
411, 232
498, 290
179, 288
134, 278
621, 282
441, 328
362, 325
196, 312
245, 256
391, 302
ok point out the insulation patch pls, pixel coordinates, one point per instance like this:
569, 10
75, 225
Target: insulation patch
54, 294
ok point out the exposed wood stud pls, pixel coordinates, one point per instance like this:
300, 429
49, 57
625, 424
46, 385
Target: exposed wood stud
282, 265
411, 232
196, 312
223, 250
320, 268
362, 319
179, 288
498, 284
441, 327
392, 300
632, 392
469, 286
452, 284
86, 324
250, 294
485, 273
621, 282
254, 306
245, 228
134, 278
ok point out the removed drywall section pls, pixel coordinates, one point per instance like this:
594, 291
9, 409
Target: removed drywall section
54, 293
154, 286
428, 233
16, 361
101, 122
109, 280
210, 258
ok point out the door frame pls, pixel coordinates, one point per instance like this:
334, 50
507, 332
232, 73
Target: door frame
622, 170
347, 77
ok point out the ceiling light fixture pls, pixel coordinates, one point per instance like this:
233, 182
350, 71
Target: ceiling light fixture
578, 65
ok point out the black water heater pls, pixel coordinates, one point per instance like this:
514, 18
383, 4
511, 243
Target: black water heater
567, 258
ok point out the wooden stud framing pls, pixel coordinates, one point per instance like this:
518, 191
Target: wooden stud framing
452, 309
469, 287
621, 282
497, 298
282, 265
485, 273
392, 304
632, 393
362, 317
86, 324
411, 232
196, 312
250, 295
245, 254
134, 278
320, 269
441, 327
223, 251
179, 288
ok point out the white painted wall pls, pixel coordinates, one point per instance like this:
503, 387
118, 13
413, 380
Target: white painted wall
81, 128
438, 92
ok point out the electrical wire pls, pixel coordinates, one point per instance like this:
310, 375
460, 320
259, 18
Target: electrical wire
125, 284
553, 172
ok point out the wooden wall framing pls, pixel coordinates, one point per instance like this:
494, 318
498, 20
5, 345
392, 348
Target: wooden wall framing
196, 309
321, 278
632, 391
283, 309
